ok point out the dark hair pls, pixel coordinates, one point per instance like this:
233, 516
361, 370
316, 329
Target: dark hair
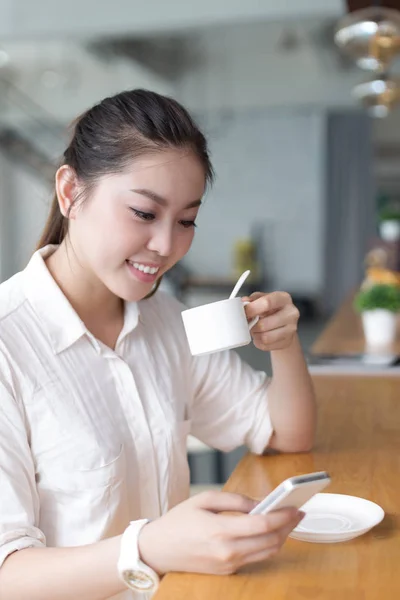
119, 129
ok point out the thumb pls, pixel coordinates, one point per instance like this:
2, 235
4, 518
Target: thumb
253, 296
223, 501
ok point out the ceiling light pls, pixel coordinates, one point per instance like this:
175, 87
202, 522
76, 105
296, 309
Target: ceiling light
370, 36
378, 96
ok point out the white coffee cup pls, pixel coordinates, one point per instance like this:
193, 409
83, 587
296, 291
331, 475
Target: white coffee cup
217, 326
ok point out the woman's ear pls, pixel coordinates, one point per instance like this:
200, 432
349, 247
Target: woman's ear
67, 191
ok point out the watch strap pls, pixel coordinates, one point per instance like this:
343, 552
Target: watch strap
132, 570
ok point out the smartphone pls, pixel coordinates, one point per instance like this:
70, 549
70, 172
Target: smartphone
293, 492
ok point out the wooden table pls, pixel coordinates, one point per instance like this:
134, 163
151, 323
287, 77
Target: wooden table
358, 443
344, 334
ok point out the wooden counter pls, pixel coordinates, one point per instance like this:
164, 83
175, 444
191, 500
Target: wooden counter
358, 443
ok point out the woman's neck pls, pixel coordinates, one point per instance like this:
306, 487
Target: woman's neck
100, 310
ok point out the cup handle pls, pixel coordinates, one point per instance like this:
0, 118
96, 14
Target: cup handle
253, 321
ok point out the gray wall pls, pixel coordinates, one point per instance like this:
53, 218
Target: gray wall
270, 173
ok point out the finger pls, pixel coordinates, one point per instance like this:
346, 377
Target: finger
275, 337
261, 547
242, 549
223, 502
289, 315
257, 543
284, 532
266, 303
261, 556
246, 526
254, 296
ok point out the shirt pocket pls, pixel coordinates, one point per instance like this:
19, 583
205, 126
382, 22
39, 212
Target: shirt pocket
81, 506
62, 477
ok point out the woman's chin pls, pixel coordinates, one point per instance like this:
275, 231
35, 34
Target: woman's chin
129, 291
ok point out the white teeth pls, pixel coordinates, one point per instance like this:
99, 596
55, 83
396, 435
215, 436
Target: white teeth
144, 269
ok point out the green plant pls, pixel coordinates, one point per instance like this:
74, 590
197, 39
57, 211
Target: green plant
383, 296
389, 214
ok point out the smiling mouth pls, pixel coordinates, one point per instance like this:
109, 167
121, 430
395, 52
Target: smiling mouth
144, 268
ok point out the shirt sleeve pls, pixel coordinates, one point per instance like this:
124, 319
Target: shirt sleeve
19, 501
230, 403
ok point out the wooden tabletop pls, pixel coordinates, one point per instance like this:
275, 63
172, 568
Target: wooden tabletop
358, 443
344, 335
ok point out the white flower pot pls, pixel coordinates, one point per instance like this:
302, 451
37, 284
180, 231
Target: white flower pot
390, 230
379, 327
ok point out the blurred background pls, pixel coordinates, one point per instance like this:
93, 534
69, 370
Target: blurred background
299, 106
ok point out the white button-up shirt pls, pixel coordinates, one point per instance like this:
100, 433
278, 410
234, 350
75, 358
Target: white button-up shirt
92, 438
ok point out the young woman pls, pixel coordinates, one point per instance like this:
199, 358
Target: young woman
98, 390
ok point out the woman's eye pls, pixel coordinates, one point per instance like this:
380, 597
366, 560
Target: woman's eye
145, 216
188, 224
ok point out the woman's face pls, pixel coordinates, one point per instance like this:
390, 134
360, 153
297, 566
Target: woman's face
137, 224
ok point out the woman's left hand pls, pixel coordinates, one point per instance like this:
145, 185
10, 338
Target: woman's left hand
278, 315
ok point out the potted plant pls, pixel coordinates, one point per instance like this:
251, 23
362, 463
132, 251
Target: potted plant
379, 306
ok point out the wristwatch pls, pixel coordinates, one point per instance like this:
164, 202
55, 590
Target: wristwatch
134, 573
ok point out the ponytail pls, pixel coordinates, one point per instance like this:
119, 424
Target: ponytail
55, 228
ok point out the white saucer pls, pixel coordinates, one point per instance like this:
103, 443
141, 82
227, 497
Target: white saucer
336, 518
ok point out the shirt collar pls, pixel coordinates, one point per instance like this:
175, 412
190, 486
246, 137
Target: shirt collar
62, 323
132, 316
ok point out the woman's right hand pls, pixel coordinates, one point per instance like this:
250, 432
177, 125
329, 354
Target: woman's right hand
195, 537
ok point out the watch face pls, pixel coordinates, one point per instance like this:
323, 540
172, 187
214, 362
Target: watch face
138, 580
